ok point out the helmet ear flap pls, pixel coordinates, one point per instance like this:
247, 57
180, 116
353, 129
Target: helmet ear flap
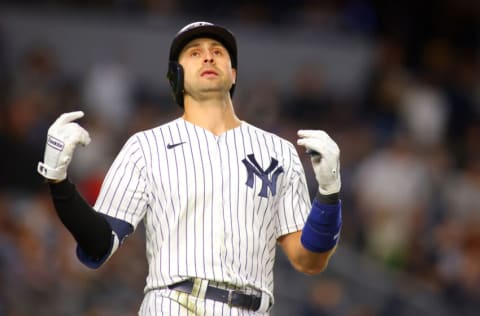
175, 78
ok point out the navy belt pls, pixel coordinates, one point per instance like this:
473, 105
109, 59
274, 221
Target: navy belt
234, 298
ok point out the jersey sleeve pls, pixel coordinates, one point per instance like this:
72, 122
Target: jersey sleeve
124, 194
294, 204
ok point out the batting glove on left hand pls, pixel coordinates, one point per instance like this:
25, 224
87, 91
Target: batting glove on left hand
325, 157
63, 136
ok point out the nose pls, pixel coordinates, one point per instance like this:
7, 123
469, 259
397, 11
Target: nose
208, 58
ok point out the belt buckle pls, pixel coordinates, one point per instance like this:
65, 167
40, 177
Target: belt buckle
229, 298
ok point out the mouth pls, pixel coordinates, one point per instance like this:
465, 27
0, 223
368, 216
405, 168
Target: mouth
208, 73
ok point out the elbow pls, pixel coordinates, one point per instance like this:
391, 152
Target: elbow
313, 264
314, 270
311, 269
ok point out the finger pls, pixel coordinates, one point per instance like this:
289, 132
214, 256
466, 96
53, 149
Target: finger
321, 147
75, 134
309, 148
320, 140
309, 143
69, 117
84, 138
312, 133
301, 142
312, 152
81, 136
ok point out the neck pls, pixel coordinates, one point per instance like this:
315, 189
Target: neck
214, 115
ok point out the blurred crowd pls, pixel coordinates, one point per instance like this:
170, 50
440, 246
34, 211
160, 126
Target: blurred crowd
410, 154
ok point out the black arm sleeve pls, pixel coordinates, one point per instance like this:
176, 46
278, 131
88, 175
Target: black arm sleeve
89, 228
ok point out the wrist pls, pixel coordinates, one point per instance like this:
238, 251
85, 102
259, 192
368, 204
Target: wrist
329, 189
52, 174
63, 189
54, 181
322, 228
328, 199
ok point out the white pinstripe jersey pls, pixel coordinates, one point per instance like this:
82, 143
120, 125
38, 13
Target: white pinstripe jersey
213, 206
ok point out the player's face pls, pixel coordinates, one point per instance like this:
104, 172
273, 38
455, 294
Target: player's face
207, 67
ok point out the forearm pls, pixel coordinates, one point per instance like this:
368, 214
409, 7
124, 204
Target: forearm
302, 259
89, 228
309, 250
322, 228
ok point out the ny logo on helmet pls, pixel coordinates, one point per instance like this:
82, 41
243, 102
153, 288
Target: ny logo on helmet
268, 177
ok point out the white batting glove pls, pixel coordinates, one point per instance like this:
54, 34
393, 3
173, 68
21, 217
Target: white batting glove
325, 156
63, 136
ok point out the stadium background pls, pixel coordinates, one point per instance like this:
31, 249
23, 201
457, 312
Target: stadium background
397, 84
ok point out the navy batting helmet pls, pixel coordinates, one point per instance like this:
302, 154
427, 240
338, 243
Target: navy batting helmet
183, 37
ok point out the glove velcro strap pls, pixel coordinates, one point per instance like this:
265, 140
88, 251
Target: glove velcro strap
51, 173
322, 228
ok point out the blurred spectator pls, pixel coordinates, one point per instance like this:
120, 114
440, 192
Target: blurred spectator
462, 87
458, 254
108, 92
262, 108
309, 100
3, 70
38, 71
462, 192
327, 297
22, 150
359, 16
388, 79
392, 195
424, 113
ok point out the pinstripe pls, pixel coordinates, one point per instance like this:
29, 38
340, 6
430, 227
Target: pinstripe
213, 199
203, 201
258, 149
109, 179
251, 224
118, 200
177, 250
169, 246
224, 248
155, 242
201, 218
230, 207
237, 204
195, 211
190, 242
247, 239
130, 200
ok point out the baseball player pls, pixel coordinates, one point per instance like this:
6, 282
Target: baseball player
215, 193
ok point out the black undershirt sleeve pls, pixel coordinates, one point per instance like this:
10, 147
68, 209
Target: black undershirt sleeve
89, 228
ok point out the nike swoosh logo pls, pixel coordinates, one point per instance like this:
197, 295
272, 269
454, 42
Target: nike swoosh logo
170, 146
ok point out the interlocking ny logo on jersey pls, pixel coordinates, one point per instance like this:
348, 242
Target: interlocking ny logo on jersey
268, 177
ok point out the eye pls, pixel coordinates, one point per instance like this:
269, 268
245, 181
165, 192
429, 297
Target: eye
194, 53
218, 52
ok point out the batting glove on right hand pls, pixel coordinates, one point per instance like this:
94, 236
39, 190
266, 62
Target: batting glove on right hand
63, 136
325, 157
